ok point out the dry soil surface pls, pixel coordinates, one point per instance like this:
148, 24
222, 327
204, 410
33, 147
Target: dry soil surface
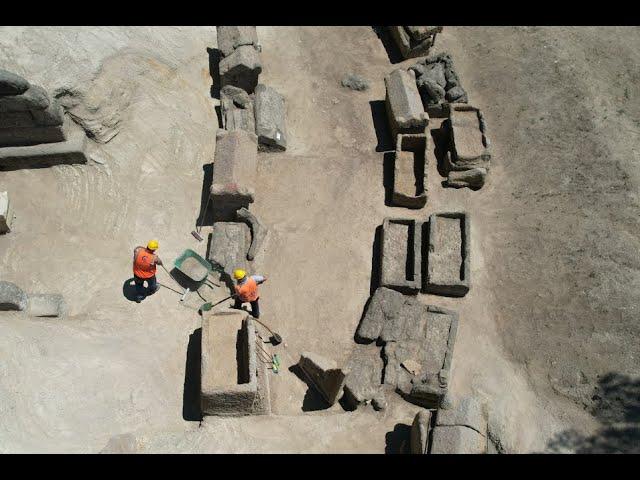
555, 284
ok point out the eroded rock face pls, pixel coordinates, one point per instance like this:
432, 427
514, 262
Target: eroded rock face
231, 37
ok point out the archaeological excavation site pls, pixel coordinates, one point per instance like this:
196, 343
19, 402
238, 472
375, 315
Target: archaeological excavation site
302, 239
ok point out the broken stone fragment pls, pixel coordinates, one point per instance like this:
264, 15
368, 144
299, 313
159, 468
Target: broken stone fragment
12, 84
51, 305
324, 375
258, 232
473, 178
355, 82
12, 297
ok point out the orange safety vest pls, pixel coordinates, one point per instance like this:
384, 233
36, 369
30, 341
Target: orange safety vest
248, 291
142, 264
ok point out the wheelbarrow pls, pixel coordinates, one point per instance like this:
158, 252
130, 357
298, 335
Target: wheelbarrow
194, 268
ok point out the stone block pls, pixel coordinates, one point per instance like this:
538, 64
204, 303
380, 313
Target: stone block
400, 267
16, 137
70, 151
241, 68
457, 440
258, 232
12, 297
230, 369
448, 258
473, 178
384, 306
35, 98
466, 412
232, 37
410, 171
403, 103
324, 375
6, 213
363, 383
46, 305
229, 246
420, 432
234, 172
51, 116
13, 120
270, 111
468, 143
237, 109
12, 84
414, 41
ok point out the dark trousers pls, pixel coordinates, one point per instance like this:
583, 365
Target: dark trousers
151, 283
255, 308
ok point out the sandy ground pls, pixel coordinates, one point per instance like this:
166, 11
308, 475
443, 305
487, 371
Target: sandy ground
554, 272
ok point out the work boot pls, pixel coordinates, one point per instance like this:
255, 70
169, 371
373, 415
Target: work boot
139, 299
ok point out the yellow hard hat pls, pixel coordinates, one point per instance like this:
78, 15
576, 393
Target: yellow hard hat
239, 274
152, 245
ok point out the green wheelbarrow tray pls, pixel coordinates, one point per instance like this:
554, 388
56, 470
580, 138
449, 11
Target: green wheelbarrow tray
193, 266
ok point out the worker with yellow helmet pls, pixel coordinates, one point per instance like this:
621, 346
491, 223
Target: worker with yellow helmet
144, 269
247, 290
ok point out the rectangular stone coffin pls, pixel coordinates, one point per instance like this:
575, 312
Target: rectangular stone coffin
448, 257
427, 338
469, 145
403, 103
324, 375
229, 246
231, 37
400, 258
270, 112
6, 213
241, 68
414, 41
237, 109
234, 173
70, 151
410, 171
232, 384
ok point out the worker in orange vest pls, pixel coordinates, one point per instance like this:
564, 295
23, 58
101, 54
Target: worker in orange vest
144, 269
247, 290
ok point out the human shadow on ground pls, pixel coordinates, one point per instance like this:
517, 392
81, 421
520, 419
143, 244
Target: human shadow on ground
191, 394
376, 260
129, 290
205, 217
398, 440
313, 401
393, 52
616, 405
381, 126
